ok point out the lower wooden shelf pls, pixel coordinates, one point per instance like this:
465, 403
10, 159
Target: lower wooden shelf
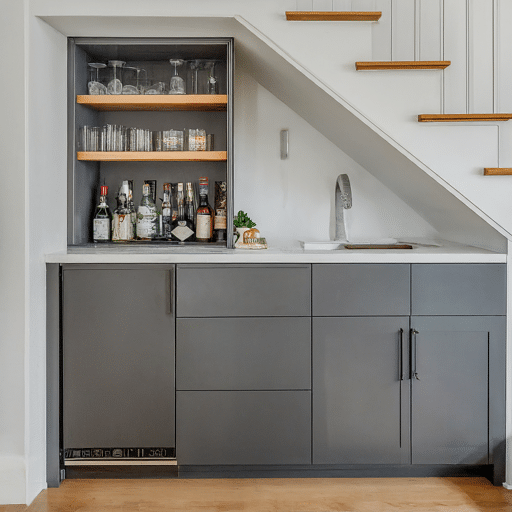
152, 156
333, 15
448, 118
403, 64
497, 171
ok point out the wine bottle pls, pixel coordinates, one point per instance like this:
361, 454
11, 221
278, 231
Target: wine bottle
182, 228
102, 219
204, 217
166, 212
147, 218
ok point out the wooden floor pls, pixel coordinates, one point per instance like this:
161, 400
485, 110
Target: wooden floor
271, 495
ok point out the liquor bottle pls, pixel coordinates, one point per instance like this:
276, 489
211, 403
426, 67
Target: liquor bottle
190, 205
147, 218
204, 217
220, 219
166, 212
182, 228
122, 225
102, 219
131, 204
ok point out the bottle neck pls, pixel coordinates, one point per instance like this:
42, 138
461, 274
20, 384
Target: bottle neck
103, 201
203, 200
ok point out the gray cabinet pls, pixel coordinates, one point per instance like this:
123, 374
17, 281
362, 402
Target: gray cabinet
368, 405
243, 364
459, 362
361, 397
118, 356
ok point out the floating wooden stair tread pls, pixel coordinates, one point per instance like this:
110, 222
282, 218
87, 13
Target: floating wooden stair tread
333, 15
446, 118
198, 102
404, 64
152, 156
497, 171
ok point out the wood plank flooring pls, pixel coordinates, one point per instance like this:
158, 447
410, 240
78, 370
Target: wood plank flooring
271, 495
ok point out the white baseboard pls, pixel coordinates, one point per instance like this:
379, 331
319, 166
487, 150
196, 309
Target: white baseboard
12, 480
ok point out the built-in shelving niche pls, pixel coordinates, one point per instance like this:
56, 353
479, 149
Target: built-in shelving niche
86, 171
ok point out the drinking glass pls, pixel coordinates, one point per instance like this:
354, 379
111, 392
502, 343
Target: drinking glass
212, 85
95, 85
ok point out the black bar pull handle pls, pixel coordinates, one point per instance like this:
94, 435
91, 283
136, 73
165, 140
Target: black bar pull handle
414, 368
401, 355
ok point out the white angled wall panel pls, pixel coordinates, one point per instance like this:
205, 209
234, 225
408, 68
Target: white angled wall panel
455, 75
381, 32
403, 29
504, 55
481, 57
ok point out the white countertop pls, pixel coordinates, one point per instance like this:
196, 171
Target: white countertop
448, 252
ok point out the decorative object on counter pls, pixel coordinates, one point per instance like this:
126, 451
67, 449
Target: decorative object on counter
123, 219
182, 227
115, 84
251, 239
102, 218
147, 217
177, 85
219, 221
242, 223
204, 216
95, 85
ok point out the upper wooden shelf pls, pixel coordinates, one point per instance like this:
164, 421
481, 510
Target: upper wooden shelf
497, 171
152, 156
198, 102
446, 118
333, 15
404, 64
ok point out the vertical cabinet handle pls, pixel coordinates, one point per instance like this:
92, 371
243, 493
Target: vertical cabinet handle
401, 355
171, 290
414, 372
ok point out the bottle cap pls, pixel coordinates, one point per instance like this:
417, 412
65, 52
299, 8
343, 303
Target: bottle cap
104, 190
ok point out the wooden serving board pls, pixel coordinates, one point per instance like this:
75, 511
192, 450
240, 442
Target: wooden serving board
378, 246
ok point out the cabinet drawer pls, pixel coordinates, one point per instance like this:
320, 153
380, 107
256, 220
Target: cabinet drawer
243, 290
361, 289
459, 289
243, 353
243, 427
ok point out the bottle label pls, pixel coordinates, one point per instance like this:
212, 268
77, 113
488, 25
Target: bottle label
220, 220
122, 228
146, 222
203, 230
101, 229
182, 231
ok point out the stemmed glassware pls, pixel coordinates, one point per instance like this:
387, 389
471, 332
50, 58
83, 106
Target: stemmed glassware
95, 86
212, 84
115, 85
177, 85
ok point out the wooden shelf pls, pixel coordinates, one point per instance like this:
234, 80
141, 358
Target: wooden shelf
448, 118
404, 64
497, 171
333, 15
152, 156
164, 102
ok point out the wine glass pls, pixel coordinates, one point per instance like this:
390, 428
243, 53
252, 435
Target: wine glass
115, 85
94, 85
177, 85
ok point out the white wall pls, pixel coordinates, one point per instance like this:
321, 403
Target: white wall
13, 258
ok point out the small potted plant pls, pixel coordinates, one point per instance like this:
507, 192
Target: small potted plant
242, 223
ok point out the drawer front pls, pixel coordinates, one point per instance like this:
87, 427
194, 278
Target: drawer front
243, 427
243, 353
243, 290
459, 289
361, 290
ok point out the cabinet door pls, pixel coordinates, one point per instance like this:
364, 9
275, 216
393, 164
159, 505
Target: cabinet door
243, 353
457, 403
360, 390
118, 357
458, 289
355, 289
243, 290
243, 427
